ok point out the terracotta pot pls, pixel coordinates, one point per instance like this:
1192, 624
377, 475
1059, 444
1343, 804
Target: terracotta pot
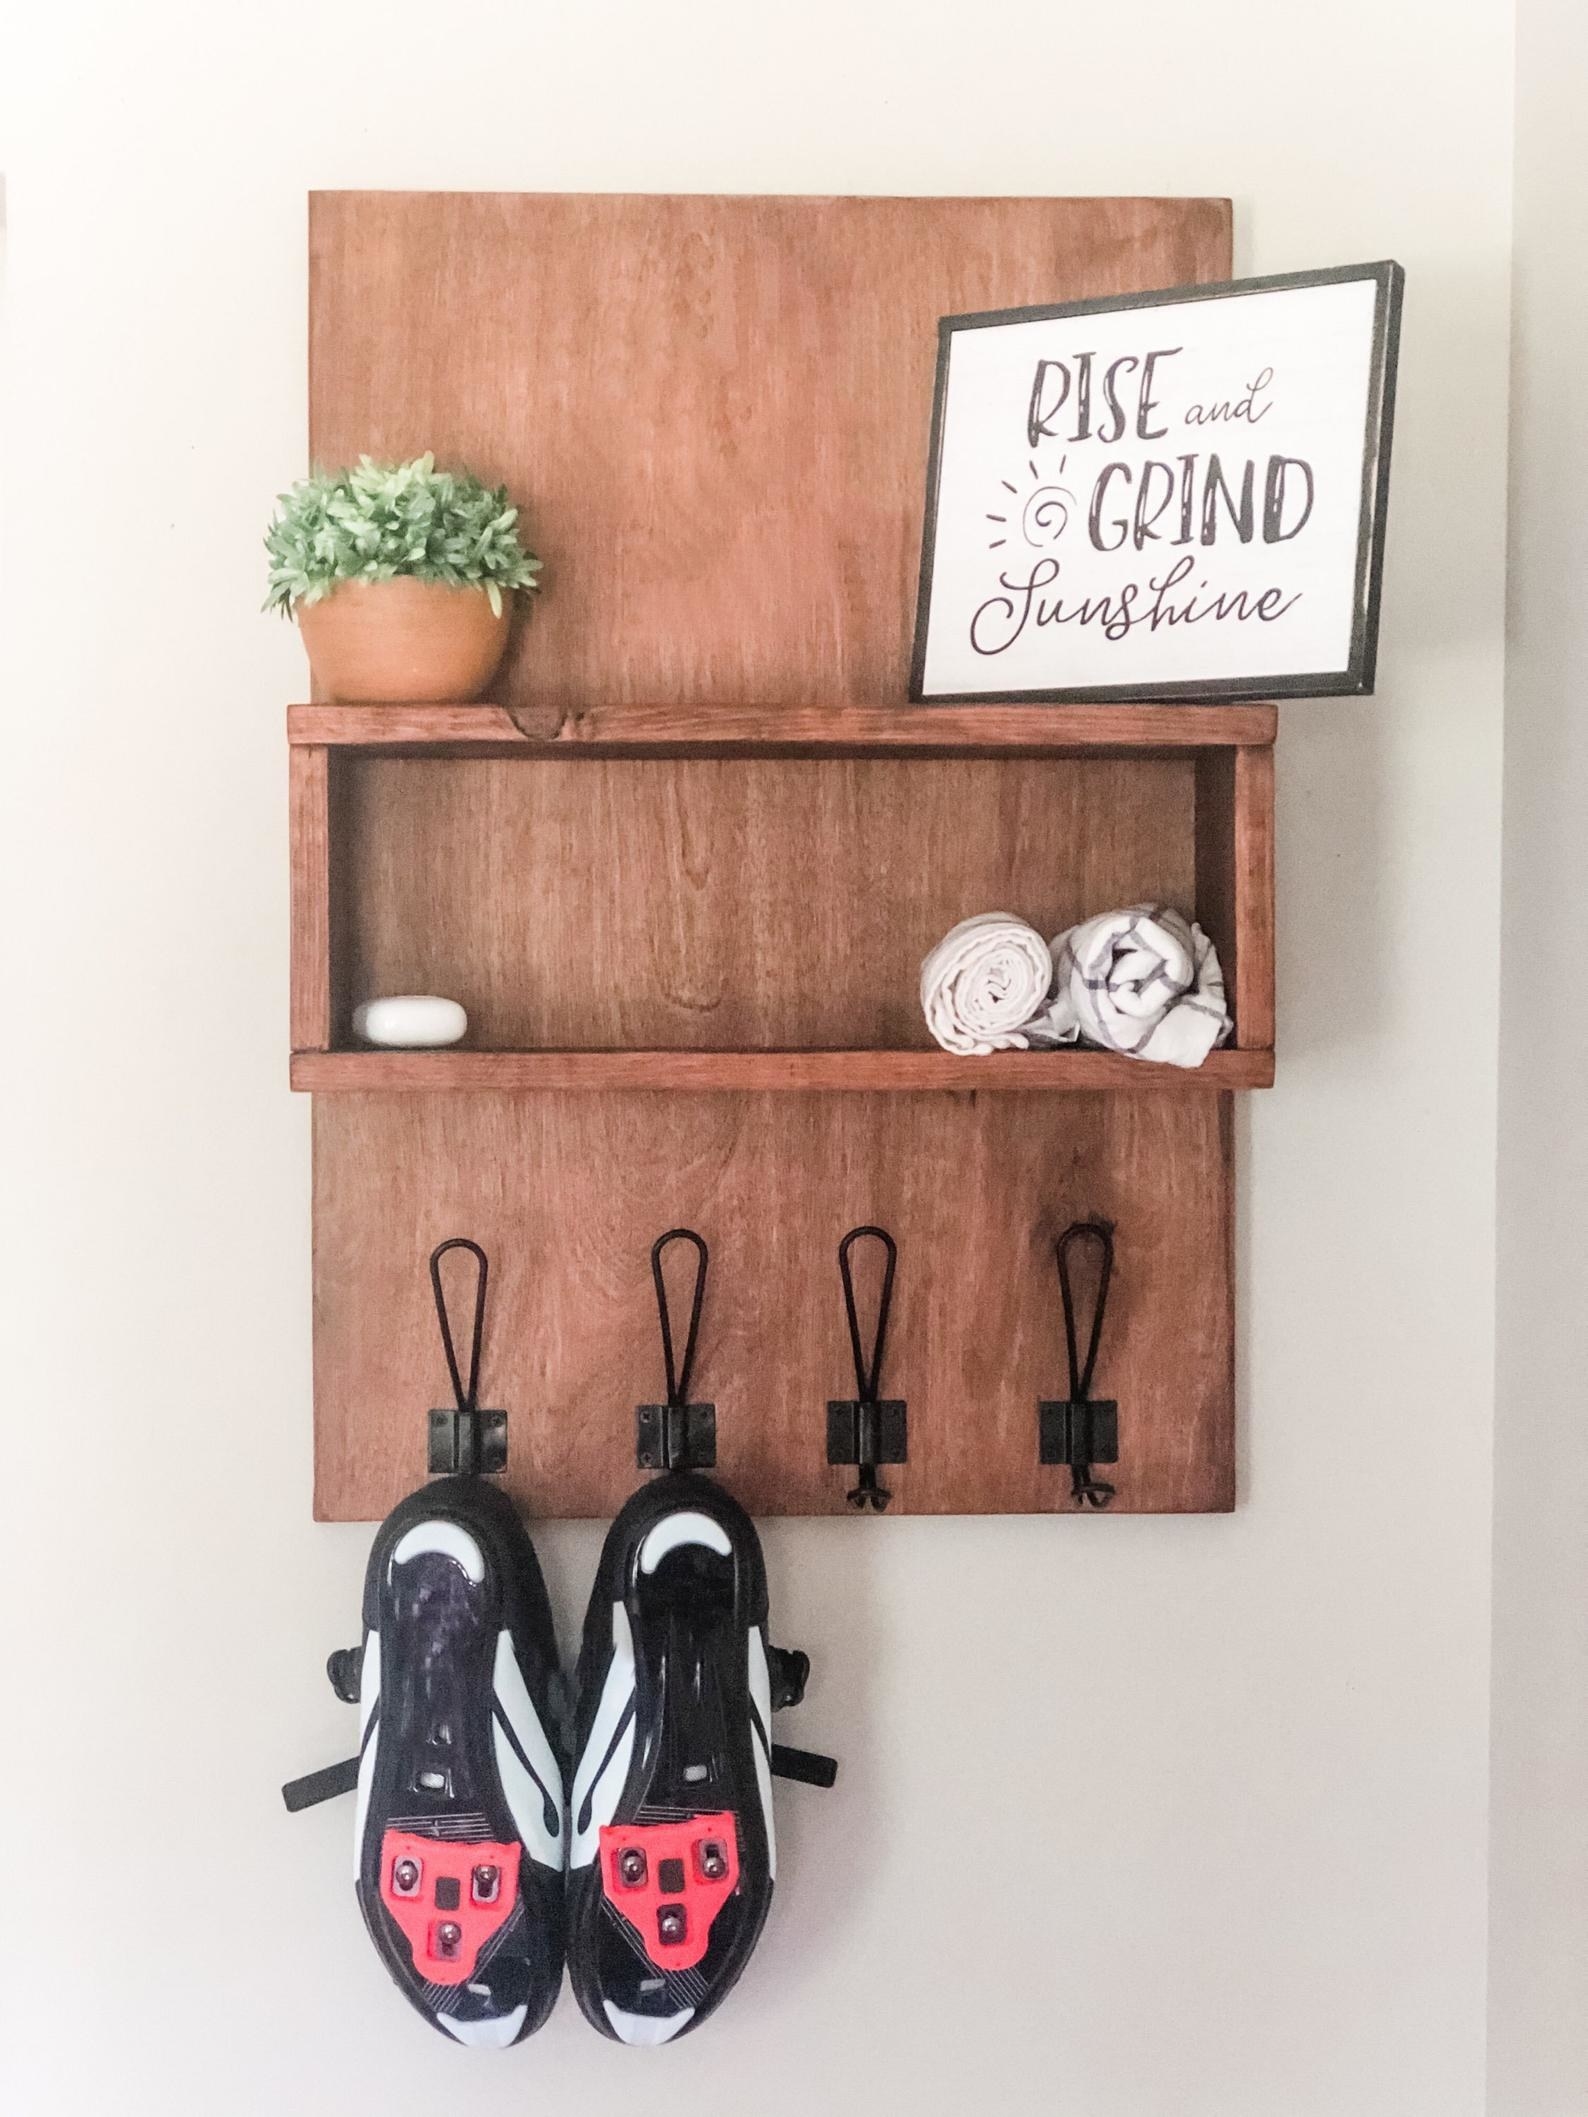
405, 642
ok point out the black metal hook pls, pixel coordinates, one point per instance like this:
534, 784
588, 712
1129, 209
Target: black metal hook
678, 1378
1082, 1430
1084, 1231
865, 1430
868, 1375
465, 1439
677, 1435
467, 1398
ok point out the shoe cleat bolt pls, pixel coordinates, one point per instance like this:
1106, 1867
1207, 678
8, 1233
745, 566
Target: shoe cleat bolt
631, 1867
713, 1861
487, 1880
671, 1925
448, 1938
405, 1877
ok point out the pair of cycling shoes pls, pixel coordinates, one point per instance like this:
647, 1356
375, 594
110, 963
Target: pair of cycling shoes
478, 1870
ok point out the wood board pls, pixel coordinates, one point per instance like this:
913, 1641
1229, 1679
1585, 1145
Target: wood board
710, 905
566, 1193
716, 410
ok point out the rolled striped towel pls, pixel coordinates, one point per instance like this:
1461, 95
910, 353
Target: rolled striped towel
1144, 981
984, 982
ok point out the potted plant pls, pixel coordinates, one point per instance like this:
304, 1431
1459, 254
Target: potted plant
400, 576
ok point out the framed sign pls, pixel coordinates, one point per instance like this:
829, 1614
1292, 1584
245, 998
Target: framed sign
1161, 496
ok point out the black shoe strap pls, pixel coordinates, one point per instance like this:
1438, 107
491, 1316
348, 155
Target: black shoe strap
806, 1765
315, 1787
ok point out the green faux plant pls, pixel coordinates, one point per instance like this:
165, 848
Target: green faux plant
380, 520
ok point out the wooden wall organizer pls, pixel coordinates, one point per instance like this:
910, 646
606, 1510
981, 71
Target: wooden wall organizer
695, 853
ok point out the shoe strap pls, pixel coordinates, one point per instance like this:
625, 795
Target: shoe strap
808, 1766
323, 1785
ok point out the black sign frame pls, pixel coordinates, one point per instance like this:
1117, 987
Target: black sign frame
1357, 678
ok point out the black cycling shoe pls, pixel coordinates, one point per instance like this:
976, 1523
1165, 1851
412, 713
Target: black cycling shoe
459, 1844
672, 1851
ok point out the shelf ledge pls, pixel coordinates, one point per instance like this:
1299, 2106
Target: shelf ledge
991, 730
887, 1072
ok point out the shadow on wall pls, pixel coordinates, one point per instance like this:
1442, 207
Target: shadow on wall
1344, 819
822, 1576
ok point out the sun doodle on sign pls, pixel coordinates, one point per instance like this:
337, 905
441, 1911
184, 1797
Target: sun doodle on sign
1044, 511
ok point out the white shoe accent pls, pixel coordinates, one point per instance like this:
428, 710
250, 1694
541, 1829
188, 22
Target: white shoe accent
616, 1694
761, 1692
685, 1527
368, 1698
494, 2033
447, 1539
368, 1681
524, 1797
647, 2028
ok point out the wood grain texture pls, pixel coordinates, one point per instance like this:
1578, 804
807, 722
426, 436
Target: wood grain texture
1235, 882
1215, 870
741, 730
714, 411
309, 835
567, 1192
1253, 882
729, 906
779, 1072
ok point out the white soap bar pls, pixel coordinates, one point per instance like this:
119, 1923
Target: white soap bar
410, 1021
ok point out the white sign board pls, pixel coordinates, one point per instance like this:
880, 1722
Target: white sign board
1163, 496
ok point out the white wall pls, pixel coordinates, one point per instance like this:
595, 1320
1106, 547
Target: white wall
1276, 1724
1539, 1948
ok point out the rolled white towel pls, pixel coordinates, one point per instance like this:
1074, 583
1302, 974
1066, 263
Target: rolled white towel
1144, 981
984, 982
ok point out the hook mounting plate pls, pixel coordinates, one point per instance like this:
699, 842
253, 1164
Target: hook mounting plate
1079, 1433
466, 1443
675, 1436
867, 1433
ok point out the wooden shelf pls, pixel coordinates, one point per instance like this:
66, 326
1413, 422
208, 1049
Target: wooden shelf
698, 907
888, 1072
718, 956
779, 730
